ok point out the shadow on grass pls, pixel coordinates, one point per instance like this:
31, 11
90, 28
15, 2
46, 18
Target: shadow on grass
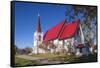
75, 59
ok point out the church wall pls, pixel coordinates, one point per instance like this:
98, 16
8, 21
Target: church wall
37, 42
60, 44
41, 50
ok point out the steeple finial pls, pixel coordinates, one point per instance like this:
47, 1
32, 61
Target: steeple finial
38, 14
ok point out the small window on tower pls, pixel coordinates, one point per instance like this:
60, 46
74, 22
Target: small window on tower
39, 38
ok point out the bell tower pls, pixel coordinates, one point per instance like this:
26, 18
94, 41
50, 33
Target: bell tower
38, 37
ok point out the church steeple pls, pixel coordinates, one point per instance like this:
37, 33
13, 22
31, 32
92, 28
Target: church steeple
38, 25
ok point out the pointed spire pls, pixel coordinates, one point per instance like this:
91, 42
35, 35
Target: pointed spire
38, 25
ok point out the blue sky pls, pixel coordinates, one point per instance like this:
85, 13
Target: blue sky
26, 18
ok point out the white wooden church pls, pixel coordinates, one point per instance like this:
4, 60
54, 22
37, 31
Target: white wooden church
64, 36
38, 38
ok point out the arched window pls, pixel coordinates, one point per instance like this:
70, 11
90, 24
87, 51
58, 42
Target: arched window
39, 38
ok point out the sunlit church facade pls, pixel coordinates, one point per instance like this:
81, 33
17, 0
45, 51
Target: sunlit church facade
66, 37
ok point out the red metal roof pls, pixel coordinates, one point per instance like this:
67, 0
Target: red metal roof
53, 33
69, 30
61, 31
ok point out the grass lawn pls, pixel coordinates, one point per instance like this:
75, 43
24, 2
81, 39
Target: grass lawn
89, 58
68, 58
55, 57
24, 62
48, 55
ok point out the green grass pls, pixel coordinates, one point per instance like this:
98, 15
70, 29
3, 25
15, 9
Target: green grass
64, 58
82, 59
48, 55
24, 62
89, 58
56, 57
67, 58
71, 58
